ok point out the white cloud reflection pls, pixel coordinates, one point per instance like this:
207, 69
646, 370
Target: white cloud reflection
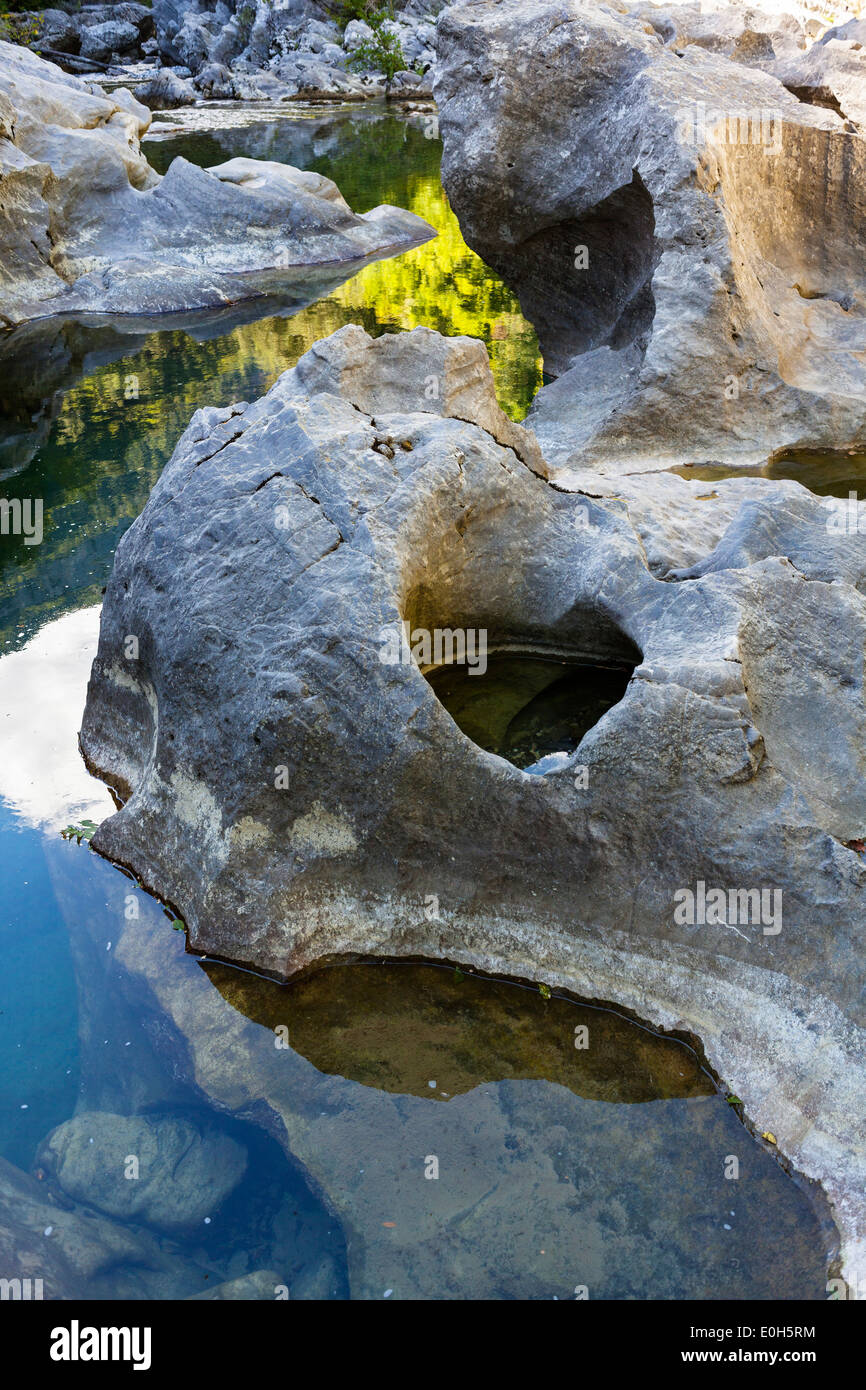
42, 693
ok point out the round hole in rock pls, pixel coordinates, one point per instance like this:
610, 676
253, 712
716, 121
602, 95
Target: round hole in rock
529, 708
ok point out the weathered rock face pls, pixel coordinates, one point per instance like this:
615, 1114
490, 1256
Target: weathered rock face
166, 91
299, 42
295, 796
183, 1174
686, 236
86, 223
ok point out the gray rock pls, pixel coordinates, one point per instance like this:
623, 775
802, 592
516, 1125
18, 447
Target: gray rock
184, 1174
58, 30
298, 797
262, 1286
658, 226
103, 40
216, 82
87, 225
78, 1253
832, 73
167, 91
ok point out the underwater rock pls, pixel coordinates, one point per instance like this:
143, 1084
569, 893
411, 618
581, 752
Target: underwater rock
77, 1252
87, 225
182, 1174
684, 234
295, 790
257, 1287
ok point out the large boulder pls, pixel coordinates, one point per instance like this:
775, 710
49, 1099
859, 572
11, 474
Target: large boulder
159, 1169
104, 40
686, 236
832, 73
68, 1250
86, 223
166, 91
297, 791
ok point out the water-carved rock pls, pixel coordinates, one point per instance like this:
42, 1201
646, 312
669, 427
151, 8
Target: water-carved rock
296, 790
87, 225
686, 235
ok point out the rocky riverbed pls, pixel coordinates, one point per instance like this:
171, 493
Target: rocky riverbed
294, 779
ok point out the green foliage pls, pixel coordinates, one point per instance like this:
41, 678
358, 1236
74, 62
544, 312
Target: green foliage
382, 52
16, 27
245, 17
343, 11
84, 831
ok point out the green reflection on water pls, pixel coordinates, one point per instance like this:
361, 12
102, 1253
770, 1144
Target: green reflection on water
90, 411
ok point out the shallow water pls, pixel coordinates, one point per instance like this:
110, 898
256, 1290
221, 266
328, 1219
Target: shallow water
559, 1165
524, 708
826, 472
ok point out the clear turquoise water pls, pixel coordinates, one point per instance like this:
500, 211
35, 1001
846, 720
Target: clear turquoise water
558, 1168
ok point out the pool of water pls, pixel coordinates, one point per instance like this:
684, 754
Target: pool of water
826, 472
408, 1130
525, 708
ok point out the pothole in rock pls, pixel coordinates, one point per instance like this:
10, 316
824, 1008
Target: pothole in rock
826, 472
529, 709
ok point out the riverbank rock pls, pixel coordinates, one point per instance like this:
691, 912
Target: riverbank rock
661, 229
296, 791
298, 44
166, 91
87, 225
182, 1174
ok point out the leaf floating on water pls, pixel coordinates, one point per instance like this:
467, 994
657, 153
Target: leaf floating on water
770, 1138
178, 924
733, 1100
544, 991
83, 831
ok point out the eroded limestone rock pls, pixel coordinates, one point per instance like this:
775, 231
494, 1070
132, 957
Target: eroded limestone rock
686, 236
294, 796
87, 224
182, 1174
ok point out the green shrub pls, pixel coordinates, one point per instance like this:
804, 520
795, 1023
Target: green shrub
16, 27
382, 52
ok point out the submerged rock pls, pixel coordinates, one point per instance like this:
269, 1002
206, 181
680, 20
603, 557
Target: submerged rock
77, 1252
87, 225
182, 1175
684, 234
296, 791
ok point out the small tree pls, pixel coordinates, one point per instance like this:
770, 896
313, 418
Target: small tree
382, 51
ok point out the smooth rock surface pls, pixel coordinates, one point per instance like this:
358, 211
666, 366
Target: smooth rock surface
685, 235
86, 224
293, 796
184, 1174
